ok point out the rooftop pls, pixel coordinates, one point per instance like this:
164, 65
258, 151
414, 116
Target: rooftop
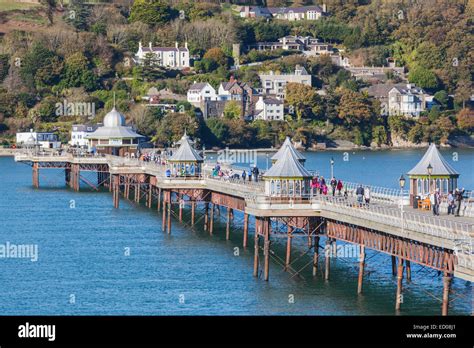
434, 158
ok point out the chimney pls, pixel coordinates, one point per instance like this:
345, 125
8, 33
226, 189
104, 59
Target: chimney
150, 45
232, 79
176, 44
324, 8
186, 44
140, 45
247, 11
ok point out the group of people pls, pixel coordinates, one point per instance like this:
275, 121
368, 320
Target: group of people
153, 157
454, 200
319, 186
363, 194
250, 175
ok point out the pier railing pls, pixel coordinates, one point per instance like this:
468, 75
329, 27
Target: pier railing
430, 225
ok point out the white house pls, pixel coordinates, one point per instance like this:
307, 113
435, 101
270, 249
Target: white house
275, 84
406, 101
200, 92
269, 109
79, 132
285, 13
169, 57
46, 140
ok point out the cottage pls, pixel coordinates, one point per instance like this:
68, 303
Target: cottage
408, 100
79, 133
45, 140
305, 44
269, 109
201, 92
284, 13
275, 84
169, 57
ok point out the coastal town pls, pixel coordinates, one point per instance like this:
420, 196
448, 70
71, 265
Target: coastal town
298, 73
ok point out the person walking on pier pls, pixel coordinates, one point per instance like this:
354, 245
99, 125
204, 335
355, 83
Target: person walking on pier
435, 200
255, 173
322, 183
339, 187
244, 174
451, 204
360, 194
367, 195
333, 186
458, 196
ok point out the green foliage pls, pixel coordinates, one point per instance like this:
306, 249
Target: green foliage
4, 66
206, 65
232, 110
77, 73
442, 97
78, 14
379, 135
151, 12
423, 78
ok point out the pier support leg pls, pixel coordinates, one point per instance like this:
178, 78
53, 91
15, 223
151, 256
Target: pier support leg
361, 269
399, 298
150, 195
446, 287
211, 222
256, 247
246, 229
316, 255
110, 183
169, 215
206, 215
67, 176
227, 227
159, 200
181, 205
163, 222
394, 266
408, 270
266, 247
327, 252
137, 192
36, 175
193, 209
116, 190
288, 247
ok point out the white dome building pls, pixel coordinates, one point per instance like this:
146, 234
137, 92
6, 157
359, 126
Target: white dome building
114, 137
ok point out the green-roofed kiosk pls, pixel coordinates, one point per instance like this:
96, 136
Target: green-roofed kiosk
431, 173
185, 161
287, 178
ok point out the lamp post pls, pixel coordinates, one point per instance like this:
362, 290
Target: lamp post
267, 159
430, 171
402, 185
332, 167
204, 153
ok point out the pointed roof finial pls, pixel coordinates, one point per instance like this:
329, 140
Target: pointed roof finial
114, 100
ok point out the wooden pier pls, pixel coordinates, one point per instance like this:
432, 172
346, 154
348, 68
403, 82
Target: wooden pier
440, 243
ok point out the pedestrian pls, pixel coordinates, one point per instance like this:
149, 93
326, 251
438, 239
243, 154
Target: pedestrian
434, 199
333, 184
451, 204
325, 189
458, 196
367, 195
339, 186
360, 194
314, 184
255, 173
244, 174
321, 185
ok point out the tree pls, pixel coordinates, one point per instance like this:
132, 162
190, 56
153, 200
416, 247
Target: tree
304, 101
442, 97
217, 55
463, 91
151, 12
379, 135
465, 120
78, 14
423, 77
232, 110
354, 108
77, 73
